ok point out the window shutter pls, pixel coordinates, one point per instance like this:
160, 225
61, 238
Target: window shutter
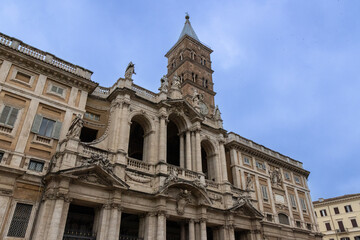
4, 114
13, 116
57, 129
36, 124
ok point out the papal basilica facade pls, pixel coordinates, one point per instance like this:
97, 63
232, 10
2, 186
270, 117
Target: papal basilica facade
81, 161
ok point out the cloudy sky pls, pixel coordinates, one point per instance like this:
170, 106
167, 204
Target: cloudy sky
286, 72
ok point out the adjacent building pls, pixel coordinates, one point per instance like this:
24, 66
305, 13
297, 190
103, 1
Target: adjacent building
339, 217
82, 161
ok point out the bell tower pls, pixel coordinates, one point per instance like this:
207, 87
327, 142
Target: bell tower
189, 59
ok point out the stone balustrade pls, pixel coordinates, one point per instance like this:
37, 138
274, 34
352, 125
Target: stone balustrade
139, 165
101, 92
88, 151
44, 56
144, 92
237, 138
212, 184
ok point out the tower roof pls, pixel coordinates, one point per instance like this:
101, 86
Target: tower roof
188, 30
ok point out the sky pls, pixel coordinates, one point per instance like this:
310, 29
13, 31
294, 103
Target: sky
286, 72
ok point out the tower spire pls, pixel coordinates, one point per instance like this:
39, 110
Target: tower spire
188, 30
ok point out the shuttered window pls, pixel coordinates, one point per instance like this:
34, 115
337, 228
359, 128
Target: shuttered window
46, 127
328, 226
9, 115
336, 210
264, 193
303, 204
292, 200
354, 223
20, 220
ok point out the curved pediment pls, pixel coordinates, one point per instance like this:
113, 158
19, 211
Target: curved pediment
244, 206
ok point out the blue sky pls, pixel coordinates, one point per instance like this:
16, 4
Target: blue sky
286, 72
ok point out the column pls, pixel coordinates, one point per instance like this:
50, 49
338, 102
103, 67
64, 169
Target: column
183, 232
182, 143
188, 150
289, 205
150, 226
259, 194
114, 131
231, 232
271, 198
42, 218
55, 219
162, 138
223, 161
161, 226
115, 220
234, 162
102, 231
203, 229
299, 206
4, 70
198, 151
197, 231
191, 229
41, 83
193, 152
124, 127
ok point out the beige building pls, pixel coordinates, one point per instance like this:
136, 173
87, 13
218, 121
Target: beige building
81, 161
339, 217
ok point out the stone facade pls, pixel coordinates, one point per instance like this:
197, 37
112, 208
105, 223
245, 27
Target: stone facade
78, 159
338, 218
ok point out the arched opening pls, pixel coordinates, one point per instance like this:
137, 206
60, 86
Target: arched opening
173, 144
138, 138
283, 219
208, 161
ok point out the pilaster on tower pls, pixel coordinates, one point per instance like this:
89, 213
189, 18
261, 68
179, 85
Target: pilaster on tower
190, 60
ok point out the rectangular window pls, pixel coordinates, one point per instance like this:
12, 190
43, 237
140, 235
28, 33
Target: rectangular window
308, 226
92, 116
36, 165
348, 208
336, 210
260, 165
298, 224
287, 175
1, 155
354, 223
23, 77
303, 204
20, 220
341, 226
297, 179
269, 217
247, 160
264, 193
323, 213
293, 201
8, 116
328, 226
57, 90
46, 127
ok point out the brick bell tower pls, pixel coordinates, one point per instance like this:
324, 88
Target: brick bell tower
190, 60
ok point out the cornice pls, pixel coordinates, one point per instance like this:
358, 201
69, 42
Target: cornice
192, 40
330, 201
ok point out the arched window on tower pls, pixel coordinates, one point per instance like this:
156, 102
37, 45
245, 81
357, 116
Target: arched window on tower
205, 83
194, 77
181, 56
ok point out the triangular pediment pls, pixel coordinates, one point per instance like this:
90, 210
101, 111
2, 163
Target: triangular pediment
244, 206
95, 174
181, 106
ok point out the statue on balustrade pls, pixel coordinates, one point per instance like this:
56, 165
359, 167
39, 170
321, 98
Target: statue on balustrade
75, 127
130, 70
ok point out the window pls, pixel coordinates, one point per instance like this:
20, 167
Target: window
181, 56
287, 175
247, 160
348, 208
194, 77
297, 179
357, 238
260, 165
354, 223
292, 201
46, 127
345, 238
36, 166
9, 115
283, 219
264, 193
92, 116
205, 83
336, 210
57, 90
341, 226
323, 213
1, 155
298, 224
269, 217
303, 204
328, 226
308, 226
23, 77
20, 220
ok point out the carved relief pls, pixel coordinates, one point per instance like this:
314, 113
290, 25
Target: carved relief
275, 177
137, 177
183, 198
75, 127
93, 178
100, 160
249, 183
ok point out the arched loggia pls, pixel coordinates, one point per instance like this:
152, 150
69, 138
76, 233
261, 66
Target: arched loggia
174, 150
208, 160
138, 138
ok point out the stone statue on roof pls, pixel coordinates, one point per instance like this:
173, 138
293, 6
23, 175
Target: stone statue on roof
164, 84
130, 70
75, 127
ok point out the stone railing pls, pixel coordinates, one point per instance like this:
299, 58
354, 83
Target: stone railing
237, 138
88, 151
212, 184
44, 56
144, 92
102, 92
183, 173
138, 164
